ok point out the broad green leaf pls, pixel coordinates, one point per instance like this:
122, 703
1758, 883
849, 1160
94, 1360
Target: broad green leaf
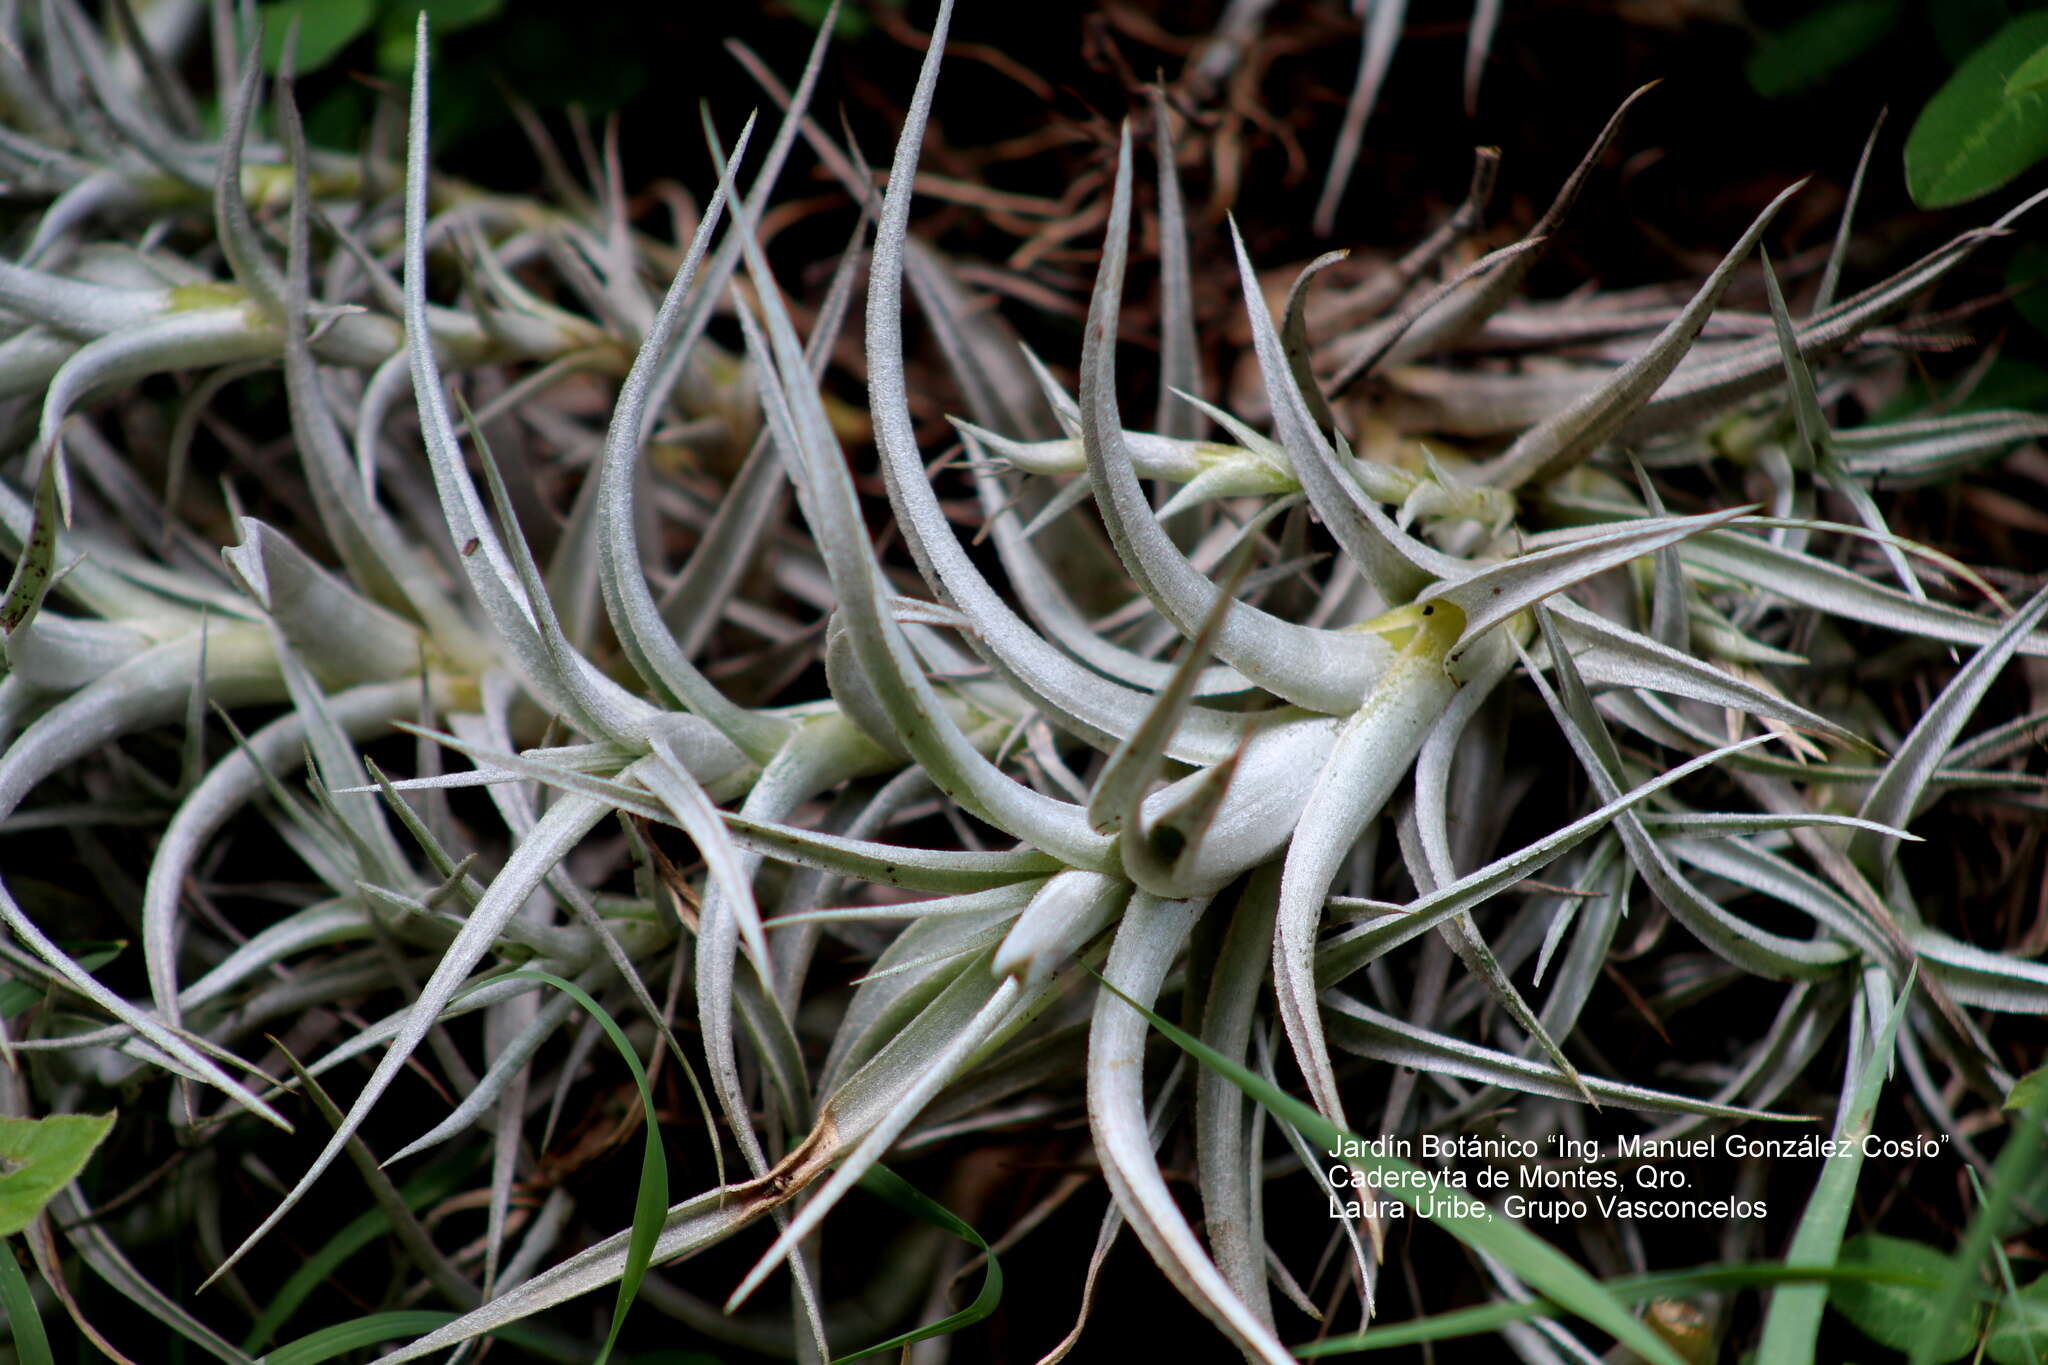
1892, 1314
1808, 52
45, 1155
2031, 76
1974, 136
2028, 1090
325, 27
396, 24
851, 23
2019, 1334
2007, 382
446, 16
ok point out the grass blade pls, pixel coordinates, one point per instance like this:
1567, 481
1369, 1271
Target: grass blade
1533, 1260
886, 1185
24, 1323
1793, 1321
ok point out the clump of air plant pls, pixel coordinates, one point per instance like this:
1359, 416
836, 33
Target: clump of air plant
1321, 767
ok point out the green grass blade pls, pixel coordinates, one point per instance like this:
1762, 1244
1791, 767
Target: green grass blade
340, 1339
436, 1182
1673, 1284
1533, 1260
1793, 1322
650, 1202
886, 1185
24, 1324
329, 1342
409, 1232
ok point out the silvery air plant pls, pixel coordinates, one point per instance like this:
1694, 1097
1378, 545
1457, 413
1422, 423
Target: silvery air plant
1300, 763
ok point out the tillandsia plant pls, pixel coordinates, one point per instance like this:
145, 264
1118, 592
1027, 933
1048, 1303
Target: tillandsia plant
1266, 792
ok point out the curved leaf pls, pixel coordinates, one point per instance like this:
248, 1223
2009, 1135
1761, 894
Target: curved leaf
1976, 134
